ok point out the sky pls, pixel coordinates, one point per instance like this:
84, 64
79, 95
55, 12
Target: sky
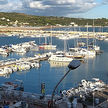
66, 8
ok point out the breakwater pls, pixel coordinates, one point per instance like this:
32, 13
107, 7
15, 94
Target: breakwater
40, 31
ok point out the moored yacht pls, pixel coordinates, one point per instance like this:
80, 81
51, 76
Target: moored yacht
4, 51
84, 52
88, 53
20, 50
94, 47
73, 53
60, 56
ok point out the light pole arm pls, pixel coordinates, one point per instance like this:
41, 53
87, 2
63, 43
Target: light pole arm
57, 86
72, 65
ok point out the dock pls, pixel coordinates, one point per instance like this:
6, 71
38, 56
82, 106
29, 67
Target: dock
40, 31
7, 67
32, 59
31, 100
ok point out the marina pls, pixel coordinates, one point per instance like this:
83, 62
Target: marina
35, 66
53, 54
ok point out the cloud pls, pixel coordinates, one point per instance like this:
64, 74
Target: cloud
2, 2
105, 2
65, 1
48, 7
38, 5
10, 6
62, 7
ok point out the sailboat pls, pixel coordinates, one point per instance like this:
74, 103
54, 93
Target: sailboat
81, 51
93, 44
60, 56
88, 52
46, 46
74, 52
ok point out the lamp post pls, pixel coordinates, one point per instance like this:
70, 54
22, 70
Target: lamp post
93, 99
72, 65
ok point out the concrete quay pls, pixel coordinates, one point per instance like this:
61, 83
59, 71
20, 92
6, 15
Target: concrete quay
33, 100
38, 31
14, 98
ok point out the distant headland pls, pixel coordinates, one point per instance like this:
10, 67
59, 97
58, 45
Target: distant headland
24, 20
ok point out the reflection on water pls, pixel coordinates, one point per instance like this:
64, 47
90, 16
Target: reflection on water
22, 72
58, 64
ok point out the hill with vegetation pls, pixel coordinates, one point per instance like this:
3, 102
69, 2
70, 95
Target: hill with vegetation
21, 19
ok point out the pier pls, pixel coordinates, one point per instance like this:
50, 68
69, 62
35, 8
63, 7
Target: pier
7, 67
29, 59
38, 31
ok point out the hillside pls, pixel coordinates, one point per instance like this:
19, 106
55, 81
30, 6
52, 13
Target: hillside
21, 19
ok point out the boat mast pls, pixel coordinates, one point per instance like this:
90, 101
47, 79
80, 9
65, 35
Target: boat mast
65, 47
45, 40
51, 35
65, 43
87, 36
74, 38
94, 39
79, 35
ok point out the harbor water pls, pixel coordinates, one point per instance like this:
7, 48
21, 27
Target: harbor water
51, 72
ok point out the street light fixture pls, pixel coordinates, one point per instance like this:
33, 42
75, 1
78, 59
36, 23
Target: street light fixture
72, 65
93, 99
